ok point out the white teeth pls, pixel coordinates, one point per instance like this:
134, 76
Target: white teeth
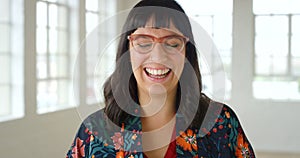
157, 72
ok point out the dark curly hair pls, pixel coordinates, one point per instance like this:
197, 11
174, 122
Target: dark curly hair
122, 83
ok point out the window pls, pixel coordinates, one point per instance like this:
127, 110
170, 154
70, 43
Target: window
56, 46
216, 20
100, 49
58, 30
11, 59
277, 50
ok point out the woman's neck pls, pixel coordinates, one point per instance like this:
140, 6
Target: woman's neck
157, 110
158, 122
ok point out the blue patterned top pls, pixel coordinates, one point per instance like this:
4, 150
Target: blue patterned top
222, 136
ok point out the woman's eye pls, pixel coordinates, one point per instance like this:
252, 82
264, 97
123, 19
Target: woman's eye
172, 45
144, 45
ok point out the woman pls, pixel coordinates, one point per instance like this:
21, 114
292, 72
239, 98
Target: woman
153, 101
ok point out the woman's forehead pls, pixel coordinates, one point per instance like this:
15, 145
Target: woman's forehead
151, 28
157, 31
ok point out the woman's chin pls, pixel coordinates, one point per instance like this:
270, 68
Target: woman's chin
157, 89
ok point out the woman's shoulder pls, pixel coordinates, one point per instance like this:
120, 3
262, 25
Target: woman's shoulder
94, 137
224, 110
224, 128
219, 116
96, 124
220, 121
95, 115
217, 110
226, 118
99, 123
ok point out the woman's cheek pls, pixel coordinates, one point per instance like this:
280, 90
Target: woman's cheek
180, 61
136, 60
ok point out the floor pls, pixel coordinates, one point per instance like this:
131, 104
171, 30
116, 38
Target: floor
276, 155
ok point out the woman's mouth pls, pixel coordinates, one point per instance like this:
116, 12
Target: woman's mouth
155, 73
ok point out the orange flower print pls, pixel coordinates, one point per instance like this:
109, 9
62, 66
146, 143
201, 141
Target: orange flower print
131, 156
91, 138
78, 149
187, 140
122, 128
134, 137
227, 114
242, 149
120, 154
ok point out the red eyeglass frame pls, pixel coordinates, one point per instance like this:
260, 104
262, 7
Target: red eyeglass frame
157, 40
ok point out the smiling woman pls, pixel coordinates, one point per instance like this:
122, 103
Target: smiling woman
154, 105
154, 63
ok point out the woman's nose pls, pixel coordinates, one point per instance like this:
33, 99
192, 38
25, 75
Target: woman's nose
158, 53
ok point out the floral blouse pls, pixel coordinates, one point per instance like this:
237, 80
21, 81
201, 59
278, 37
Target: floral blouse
221, 137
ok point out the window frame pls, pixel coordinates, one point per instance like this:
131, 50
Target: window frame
14, 57
287, 77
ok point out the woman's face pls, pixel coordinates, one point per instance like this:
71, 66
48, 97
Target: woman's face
157, 56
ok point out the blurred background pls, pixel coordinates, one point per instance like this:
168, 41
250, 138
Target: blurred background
258, 43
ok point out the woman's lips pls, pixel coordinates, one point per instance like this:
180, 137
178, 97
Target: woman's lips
157, 74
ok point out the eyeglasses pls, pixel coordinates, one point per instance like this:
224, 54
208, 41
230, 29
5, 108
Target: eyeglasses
145, 43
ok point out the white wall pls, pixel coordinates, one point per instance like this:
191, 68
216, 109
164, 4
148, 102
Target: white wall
270, 126
48, 135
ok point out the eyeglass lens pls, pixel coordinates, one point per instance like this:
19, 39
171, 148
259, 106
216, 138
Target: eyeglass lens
144, 43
